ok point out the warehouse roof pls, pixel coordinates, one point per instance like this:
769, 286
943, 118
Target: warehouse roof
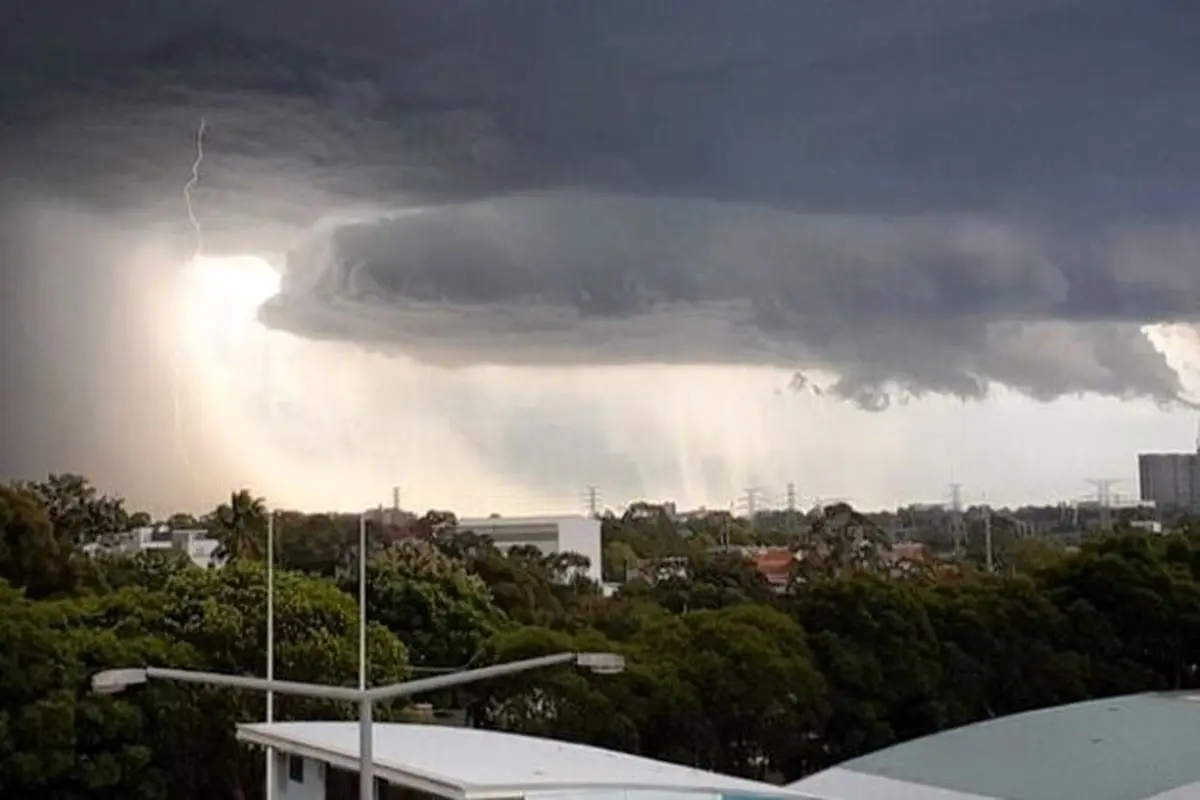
477, 764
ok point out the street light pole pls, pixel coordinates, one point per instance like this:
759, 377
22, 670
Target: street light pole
270, 754
366, 725
987, 539
117, 680
362, 601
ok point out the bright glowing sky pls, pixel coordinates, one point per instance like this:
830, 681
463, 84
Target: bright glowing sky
325, 424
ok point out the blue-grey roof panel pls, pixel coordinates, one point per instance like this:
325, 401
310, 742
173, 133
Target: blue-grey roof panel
1126, 748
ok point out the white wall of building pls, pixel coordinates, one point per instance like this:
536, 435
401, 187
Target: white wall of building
196, 544
582, 535
299, 778
566, 534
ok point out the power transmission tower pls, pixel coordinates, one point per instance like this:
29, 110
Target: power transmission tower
751, 500
987, 538
956, 498
1104, 500
593, 501
752, 494
791, 498
958, 528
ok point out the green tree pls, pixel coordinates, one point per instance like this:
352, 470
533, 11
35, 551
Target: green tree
617, 560
754, 698
558, 702
148, 569
317, 544
221, 615
59, 740
441, 612
708, 581
1134, 609
841, 542
240, 525
648, 530
31, 555
873, 641
77, 510
1005, 648
526, 585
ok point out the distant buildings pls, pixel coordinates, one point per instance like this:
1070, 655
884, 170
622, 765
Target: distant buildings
566, 534
195, 543
775, 564
1170, 480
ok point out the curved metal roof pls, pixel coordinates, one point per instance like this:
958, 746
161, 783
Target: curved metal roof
1138, 747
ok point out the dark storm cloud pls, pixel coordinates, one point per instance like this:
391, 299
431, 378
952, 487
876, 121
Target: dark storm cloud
931, 303
926, 196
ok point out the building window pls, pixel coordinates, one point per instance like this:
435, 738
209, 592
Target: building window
296, 769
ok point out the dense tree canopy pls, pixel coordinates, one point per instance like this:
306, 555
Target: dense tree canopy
726, 670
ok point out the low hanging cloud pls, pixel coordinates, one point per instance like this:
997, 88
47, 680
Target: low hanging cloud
907, 305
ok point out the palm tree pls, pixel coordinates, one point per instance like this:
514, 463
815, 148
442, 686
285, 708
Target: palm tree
240, 526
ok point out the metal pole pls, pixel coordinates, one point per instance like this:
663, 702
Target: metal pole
270, 765
256, 684
468, 676
987, 536
366, 756
362, 601
366, 761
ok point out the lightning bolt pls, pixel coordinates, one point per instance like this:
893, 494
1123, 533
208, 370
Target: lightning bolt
191, 184
180, 440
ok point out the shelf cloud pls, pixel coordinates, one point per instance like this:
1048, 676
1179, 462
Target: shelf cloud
928, 303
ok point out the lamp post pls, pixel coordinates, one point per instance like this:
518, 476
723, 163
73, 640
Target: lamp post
366, 781
115, 681
362, 600
270, 753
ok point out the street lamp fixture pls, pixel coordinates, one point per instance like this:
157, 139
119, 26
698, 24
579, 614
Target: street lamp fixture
114, 681
601, 663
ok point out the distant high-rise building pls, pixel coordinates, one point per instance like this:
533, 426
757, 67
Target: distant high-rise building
1170, 480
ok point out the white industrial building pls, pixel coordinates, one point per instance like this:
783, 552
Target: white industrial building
319, 761
196, 543
566, 534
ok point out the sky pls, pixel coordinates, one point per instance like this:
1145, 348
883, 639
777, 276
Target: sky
495, 253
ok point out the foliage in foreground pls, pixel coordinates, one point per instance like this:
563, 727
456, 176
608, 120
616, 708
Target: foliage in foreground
724, 673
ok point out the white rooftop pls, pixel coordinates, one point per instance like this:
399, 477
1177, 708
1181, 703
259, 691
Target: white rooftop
478, 765
516, 522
